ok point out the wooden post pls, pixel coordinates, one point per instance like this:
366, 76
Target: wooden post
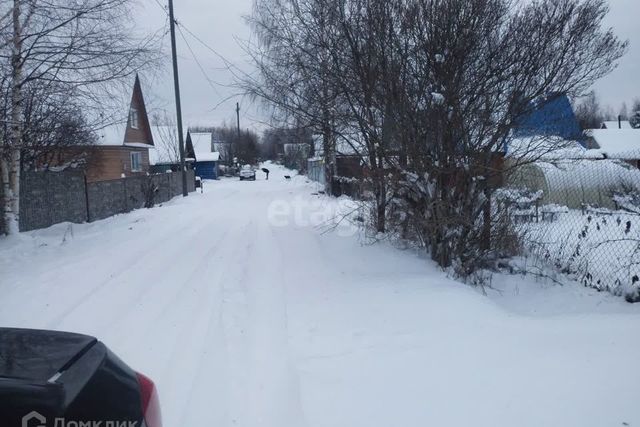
86, 197
176, 85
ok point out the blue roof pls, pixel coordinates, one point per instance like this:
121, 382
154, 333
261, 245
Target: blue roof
550, 116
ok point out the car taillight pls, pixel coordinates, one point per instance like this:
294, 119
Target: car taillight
150, 402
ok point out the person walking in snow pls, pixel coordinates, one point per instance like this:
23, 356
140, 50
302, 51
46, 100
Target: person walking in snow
266, 171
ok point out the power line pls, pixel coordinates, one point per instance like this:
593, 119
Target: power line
163, 7
195, 58
229, 64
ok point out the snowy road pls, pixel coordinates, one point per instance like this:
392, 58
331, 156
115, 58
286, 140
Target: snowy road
246, 315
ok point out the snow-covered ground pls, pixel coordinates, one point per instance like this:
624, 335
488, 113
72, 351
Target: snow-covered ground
248, 310
600, 248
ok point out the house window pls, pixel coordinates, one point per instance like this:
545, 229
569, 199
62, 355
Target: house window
136, 161
133, 118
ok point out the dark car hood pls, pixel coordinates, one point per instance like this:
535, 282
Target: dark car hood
37, 356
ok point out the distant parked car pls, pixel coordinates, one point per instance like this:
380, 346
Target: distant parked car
46, 376
247, 173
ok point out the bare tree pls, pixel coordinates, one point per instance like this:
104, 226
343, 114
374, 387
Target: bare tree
166, 137
589, 112
294, 62
83, 44
482, 84
53, 118
429, 93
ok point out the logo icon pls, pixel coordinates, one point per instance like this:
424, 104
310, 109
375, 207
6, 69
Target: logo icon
39, 419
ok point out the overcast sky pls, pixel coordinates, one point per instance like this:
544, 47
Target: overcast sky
220, 24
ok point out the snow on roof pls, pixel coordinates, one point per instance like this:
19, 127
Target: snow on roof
112, 134
621, 144
201, 143
137, 145
615, 125
208, 157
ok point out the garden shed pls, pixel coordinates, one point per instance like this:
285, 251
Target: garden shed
207, 165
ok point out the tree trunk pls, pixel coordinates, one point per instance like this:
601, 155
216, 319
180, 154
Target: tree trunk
485, 243
11, 190
11, 165
381, 206
381, 197
329, 148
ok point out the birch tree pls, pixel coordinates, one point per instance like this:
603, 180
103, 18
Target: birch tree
85, 45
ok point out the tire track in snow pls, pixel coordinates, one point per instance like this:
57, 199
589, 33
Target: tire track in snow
140, 256
233, 316
165, 290
272, 386
145, 259
195, 318
212, 384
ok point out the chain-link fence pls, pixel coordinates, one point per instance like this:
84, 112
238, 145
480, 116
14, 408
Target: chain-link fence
580, 217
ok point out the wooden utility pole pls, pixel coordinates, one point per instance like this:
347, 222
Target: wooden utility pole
238, 116
176, 83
